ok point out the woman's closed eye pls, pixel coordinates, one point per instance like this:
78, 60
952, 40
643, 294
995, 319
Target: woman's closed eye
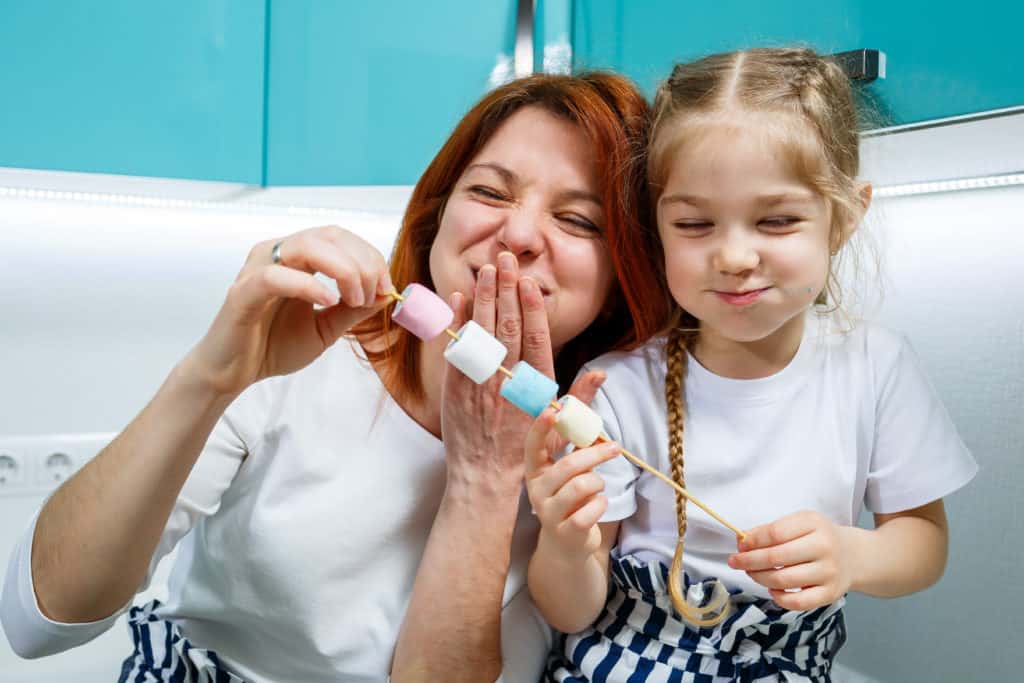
577, 223
488, 193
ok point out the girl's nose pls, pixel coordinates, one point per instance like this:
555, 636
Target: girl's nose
736, 255
522, 233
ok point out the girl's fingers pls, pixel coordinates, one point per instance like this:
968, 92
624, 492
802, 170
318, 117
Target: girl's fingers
536, 446
509, 323
803, 549
796, 576
576, 493
551, 479
803, 600
589, 514
586, 385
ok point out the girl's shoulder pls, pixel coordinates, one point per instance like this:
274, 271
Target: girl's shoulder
866, 344
645, 362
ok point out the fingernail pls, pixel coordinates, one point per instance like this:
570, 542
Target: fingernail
329, 298
487, 274
506, 260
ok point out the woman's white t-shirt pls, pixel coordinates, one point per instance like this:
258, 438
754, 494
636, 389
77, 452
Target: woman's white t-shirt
301, 528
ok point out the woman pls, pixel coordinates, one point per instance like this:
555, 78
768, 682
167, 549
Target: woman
355, 508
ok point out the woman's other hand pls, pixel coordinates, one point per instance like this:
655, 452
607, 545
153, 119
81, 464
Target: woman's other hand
270, 324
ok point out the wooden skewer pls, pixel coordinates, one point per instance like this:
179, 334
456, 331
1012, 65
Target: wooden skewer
629, 456
683, 492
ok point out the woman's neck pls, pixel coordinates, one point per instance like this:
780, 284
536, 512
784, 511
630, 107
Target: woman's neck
750, 360
426, 411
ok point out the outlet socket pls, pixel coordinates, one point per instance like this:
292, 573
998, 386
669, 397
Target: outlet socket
38, 464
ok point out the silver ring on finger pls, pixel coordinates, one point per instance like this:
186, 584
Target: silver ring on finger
275, 253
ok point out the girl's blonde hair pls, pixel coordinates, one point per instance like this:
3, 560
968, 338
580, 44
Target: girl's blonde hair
807, 105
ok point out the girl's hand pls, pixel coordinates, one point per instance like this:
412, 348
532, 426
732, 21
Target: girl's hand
268, 324
805, 551
565, 495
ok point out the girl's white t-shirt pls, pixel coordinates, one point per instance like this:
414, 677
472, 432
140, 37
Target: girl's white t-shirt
851, 422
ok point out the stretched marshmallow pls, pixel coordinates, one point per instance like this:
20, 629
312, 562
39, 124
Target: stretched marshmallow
528, 389
476, 352
422, 312
577, 422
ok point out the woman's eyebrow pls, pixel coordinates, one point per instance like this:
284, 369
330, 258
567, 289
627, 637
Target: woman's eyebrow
507, 175
584, 195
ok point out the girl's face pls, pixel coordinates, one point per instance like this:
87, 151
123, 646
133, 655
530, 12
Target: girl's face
746, 242
532, 190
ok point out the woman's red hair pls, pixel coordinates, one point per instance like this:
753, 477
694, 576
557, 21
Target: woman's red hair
614, 117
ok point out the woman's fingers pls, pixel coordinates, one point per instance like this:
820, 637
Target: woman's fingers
536, 336
252, 291
509, 323
358, 269
485, 297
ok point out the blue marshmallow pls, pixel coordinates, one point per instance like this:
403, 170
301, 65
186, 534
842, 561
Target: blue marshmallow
528, 389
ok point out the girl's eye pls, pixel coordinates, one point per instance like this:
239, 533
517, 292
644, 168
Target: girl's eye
693, 226
779, 222
487, 192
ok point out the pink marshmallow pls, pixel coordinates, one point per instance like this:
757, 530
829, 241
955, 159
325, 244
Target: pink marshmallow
422, 312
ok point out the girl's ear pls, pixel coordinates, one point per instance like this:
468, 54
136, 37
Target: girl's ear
840, 237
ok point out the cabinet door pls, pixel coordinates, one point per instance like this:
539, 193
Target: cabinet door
365, 93
944, 59
171, 89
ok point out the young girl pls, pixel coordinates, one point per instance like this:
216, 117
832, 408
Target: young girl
789, 421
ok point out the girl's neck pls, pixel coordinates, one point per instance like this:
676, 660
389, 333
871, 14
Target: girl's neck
750, 360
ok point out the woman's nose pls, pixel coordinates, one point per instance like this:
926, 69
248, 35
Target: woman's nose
522, 232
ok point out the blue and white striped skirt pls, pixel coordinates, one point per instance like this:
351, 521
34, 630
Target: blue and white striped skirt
639, 637
162, 653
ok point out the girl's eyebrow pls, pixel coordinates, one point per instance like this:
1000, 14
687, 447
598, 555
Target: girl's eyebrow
765, 199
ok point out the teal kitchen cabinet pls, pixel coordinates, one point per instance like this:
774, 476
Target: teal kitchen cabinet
170, 89
943, 58
365, 93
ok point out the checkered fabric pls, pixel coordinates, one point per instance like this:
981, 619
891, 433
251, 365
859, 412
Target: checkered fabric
639, 637
163, 654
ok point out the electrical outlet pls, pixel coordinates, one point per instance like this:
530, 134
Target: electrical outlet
38, 464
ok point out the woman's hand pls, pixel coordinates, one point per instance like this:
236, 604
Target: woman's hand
565, 494
482, 432
805, 551
269, 324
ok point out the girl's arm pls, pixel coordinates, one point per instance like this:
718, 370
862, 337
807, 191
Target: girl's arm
570, 588
568, 574
904, 553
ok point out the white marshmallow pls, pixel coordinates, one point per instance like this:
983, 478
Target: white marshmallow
476, 353
577, 422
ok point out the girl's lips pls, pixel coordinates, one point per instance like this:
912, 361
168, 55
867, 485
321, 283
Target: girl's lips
742, 298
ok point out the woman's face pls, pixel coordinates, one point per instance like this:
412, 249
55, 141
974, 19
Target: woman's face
532, 190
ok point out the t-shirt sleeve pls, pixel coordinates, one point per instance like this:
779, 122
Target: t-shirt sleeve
620, 475
32, 634
917, 455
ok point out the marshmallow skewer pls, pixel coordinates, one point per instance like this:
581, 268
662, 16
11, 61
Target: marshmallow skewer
582, 434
